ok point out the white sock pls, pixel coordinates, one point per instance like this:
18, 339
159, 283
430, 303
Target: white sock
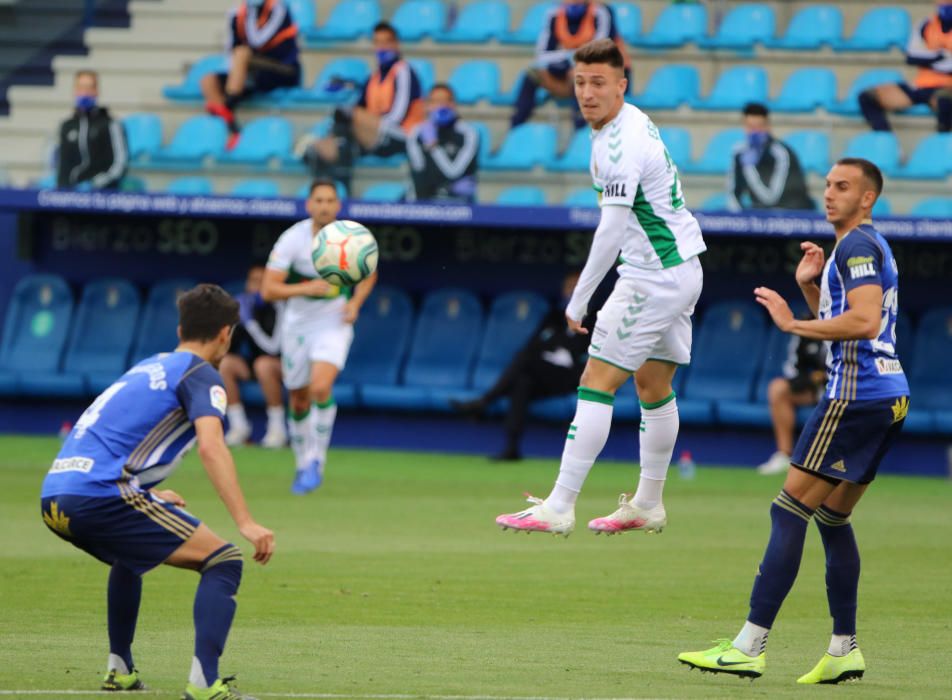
237, 419
659, 431
322, 426
752, 639
276, 418
299, 432
586, 438
117, 664
197, 676
842, 644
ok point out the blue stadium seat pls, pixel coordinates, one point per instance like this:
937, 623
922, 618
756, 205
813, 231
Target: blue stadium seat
530, 26
384, 192
143, 135
676, 26
881, 147
485, 140
256, 188
442, 352
810, 28
425, 72
415, 19
157, 330
931, 159
197, 185
302, 12
198, 138
849, 105
131, 183
522, 196
473, 81
677, 140
577, 154
508, 97
261, 140
716, 202
734, 88
190, 89
743, 27
930, 382
806, 90
933, 208
526, 146
512, 321
755, 412
669, 87
812, 148
627, 20
880, 29
35, 331
717, 155
103, 331
477, 23
584, 197
349, 20
346, 69
882, 207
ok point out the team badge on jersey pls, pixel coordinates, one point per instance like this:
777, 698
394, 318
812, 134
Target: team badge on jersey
218, 398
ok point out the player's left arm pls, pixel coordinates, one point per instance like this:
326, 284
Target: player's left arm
362, 290
604, 253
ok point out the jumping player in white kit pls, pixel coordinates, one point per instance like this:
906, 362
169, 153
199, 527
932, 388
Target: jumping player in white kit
317, 333
644, 328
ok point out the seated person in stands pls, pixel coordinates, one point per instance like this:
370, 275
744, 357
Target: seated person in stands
92, 145
255, 350
930, 50
550, 364
804, 375
262, 42
443, 151
390, 105
566, 28
765, 171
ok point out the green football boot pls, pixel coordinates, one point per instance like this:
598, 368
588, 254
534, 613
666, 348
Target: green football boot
122, 681
220, 690
724, 658
836, 669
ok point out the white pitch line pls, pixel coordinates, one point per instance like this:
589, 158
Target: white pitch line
320, 696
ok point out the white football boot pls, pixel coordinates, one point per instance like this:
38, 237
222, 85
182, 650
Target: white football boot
538, 518
630, 517
778, 463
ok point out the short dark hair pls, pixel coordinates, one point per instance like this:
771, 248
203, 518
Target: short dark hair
444, 86
601, 51
385, 26
321, 182
204, 310
755, 109
870, 171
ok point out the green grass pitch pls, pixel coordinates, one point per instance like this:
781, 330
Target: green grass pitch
392, 580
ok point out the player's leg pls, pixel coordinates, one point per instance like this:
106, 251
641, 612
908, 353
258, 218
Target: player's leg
234, 369
123, 596
295, 372
515, 424
324, 408
941, 103
875, 102
367, 127
267, 370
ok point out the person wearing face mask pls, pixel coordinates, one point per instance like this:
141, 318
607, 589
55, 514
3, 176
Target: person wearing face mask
390, 105
930, 51
549, 364
765, 173
565, 29
92, 145
262, 45
443, 151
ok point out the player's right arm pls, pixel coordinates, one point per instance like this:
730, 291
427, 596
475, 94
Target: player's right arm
810, 267
275, 288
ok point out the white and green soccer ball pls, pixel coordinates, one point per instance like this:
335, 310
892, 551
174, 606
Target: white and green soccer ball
344, 253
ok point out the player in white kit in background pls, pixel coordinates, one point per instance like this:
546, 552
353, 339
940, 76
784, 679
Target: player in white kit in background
644, 328
317, 333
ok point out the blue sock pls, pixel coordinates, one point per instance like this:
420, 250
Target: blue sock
778, 570
842, 567
124, 594
213, 611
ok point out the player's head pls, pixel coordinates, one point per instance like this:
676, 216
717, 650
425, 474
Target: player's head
253, 279
323, 204
207, 316
756, 118
600, 81
441, 104
86, 88
852, 187
386, 43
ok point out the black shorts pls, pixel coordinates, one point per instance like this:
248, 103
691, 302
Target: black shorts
803, 383
261, 80
918, 96
846, 440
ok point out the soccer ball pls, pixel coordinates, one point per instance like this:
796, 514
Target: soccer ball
344, 253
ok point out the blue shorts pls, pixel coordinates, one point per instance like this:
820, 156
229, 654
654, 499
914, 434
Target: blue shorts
846, 440
135, 529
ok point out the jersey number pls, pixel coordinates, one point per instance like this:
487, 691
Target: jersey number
677, 196
91, 414
887, 325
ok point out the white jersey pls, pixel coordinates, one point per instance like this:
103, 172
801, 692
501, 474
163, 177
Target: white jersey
631, 167
292, 254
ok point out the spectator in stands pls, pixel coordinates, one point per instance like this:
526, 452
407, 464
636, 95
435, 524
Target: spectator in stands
550, 364
765, 171
255, 350
390, 105
565, 29
92, 145
262, 42
443, 151
930, 50
804, 374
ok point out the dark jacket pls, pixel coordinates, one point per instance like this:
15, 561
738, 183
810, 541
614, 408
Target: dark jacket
554, 344
448, 169
775, 182
92, 148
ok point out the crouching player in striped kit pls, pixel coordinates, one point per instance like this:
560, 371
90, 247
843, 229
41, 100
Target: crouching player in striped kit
862, 410
100, 493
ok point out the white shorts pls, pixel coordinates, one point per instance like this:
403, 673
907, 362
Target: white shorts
648, 318
328, 341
